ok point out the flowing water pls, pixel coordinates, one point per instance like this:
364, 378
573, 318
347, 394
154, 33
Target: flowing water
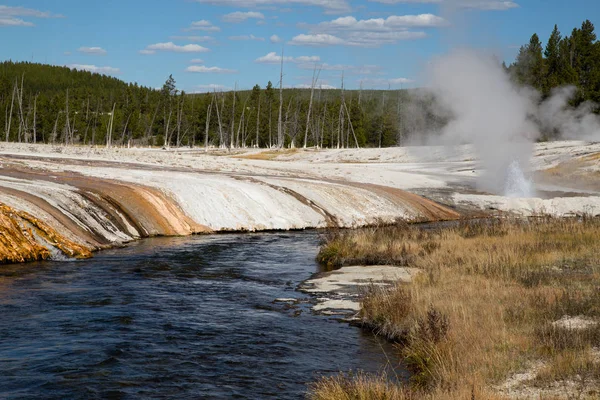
173, 318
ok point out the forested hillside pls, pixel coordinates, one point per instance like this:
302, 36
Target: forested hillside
50, 104
43, 103
564, 60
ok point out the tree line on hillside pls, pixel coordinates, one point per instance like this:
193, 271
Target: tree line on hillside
50, 104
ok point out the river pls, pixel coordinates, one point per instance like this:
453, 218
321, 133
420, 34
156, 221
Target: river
190, 317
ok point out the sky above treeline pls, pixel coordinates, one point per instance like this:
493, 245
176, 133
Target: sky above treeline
218, 44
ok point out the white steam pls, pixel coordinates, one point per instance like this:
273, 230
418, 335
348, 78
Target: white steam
490, 112
558, 117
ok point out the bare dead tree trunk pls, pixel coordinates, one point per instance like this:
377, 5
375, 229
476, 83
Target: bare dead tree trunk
399, 119
323, 125
220, 124
312, 93
208, 112
125, 130
168, 133
382, 118
317, 132
12, 103
232, 130
285, 125
193, 133
237, 138
351, 127
73, 128
245, 133
22, 121
180, 120
270, 124
35, 119
258, 123
340, 126
110, 127
295, 126
279, 126
67, 123
54, 131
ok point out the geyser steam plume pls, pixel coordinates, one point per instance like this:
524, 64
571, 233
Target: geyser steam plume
490, 112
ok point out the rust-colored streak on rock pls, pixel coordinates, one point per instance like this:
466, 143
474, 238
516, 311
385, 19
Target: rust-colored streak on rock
19, 243
61, 220
149, 211
430, 210
68, 247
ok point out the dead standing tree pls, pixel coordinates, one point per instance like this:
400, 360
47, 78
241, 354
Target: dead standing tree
208, 112
280, 126
312, 93
12, 103
110, 127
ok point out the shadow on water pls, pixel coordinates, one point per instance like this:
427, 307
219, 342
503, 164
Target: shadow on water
173, 317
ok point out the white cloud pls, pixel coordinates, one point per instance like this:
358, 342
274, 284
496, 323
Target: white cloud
391, 23
211, 87
330, 6
319, 39
247, 37
193, 38
361, 39
318, 86
490, 5
96, 69
9, 21
240, 16
26, 12
373, 32
197, 61
96, 51
275, 39
9, 15
274, 58
209, 70
376, 39
172, 47
203, 25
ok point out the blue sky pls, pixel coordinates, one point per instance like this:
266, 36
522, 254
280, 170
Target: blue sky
220, 43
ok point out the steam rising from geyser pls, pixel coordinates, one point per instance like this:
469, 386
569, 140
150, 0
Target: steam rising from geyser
490, 112
557, 116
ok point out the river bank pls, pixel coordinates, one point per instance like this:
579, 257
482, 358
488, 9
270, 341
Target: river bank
502, 309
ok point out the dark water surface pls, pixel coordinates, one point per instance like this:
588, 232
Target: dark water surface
173, 318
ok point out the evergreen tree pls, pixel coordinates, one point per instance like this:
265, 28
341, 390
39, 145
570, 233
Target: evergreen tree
554, 72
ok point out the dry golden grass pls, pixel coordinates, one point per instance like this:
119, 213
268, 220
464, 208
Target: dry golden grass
482, 310
268, 155
357, 387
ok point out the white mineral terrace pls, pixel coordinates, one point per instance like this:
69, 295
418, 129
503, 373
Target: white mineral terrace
97, 197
